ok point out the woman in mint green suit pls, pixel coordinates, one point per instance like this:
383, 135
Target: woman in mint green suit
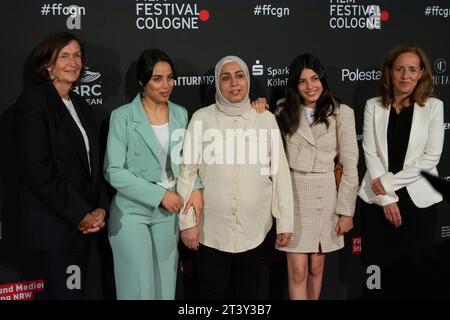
141, 163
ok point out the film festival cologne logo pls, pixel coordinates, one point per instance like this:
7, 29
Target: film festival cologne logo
348, 14
169, 15
73, 13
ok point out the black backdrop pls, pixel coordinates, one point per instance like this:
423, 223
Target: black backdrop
351, 37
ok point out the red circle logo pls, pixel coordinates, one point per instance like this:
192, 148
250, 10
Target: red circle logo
384, 15
204, 15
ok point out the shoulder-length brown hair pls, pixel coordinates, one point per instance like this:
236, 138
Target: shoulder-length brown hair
424, 88
46, 53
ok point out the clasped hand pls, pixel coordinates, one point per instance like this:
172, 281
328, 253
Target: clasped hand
344, 225
190, 237
93, 221
283, 239
260, 105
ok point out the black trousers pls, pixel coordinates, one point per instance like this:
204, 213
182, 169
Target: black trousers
64, 273
402, 254
222, 275
382, 242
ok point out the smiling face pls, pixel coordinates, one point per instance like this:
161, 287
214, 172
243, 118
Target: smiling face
161, 83
67, 66
310, 87
405, 73
232, 82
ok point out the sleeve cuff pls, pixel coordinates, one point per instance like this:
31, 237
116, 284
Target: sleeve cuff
160, 192
284, 227
343, 214
198, 184
187, 221
386, 181
383, 200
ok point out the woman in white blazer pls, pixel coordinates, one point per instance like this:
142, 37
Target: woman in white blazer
403, 134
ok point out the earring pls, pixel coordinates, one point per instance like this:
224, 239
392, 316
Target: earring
50, 75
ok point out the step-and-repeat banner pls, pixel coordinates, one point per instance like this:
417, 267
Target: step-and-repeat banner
350, 37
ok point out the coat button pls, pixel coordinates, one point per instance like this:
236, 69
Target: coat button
143, 169
137, 153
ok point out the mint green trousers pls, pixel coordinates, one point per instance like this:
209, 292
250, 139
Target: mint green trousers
145, 254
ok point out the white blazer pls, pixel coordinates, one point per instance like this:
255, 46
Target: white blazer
424, 150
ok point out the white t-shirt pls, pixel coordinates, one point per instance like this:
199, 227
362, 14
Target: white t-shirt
162, 135
74, 115
309, 114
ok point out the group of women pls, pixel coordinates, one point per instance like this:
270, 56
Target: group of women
225, 212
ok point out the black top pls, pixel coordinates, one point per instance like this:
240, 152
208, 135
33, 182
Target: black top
398, 132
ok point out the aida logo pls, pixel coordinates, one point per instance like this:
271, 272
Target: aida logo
90, 87
90, 76
445, 231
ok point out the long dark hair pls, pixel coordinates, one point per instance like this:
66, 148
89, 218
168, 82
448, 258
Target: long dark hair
289, 116
46, 53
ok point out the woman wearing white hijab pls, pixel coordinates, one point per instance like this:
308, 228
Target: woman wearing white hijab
241, 196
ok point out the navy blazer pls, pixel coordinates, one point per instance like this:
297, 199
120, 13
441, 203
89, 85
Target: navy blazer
57, 189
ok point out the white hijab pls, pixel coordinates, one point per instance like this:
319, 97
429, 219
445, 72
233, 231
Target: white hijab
231, 109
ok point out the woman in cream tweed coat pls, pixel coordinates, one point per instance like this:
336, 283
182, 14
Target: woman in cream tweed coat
307, 119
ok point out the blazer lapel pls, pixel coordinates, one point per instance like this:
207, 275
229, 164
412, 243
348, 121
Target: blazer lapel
418, 125
90, 128
144, 128
381, 119
319, 129
68, 125
174, 124
305, 130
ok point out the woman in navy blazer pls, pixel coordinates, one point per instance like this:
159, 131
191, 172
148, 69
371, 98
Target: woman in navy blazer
142, 158
61, 199
403, 134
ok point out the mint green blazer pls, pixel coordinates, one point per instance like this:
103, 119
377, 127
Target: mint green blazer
132, 164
